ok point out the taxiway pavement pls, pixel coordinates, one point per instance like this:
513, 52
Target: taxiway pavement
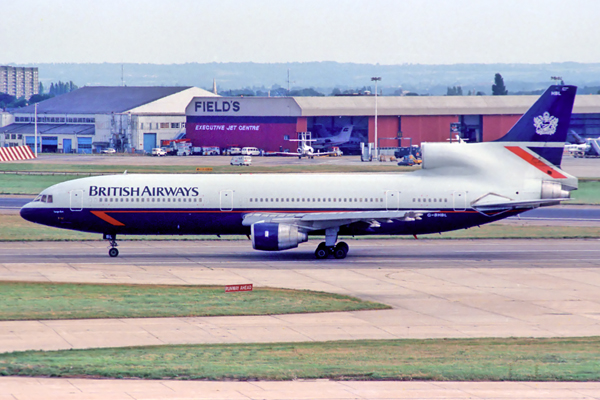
66, 389
437, 288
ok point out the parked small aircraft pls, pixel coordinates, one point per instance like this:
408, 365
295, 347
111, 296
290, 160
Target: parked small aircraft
459, 186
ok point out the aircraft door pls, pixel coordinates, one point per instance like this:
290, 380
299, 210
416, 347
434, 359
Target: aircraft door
460, 200
392, 200
76, 200
226, 200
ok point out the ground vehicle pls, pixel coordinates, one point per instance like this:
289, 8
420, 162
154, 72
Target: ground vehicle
211, 151
250, 151
108, 151
409, 160
158, 152
234, 151
241, 160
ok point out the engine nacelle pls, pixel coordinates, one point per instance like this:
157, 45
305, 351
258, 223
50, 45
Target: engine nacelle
274, 237
553, 190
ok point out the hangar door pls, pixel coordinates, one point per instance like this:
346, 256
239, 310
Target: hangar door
149, 142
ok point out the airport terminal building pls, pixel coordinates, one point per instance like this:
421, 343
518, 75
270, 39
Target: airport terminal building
270, 123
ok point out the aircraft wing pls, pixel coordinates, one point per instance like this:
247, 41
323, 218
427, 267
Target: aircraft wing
324, 220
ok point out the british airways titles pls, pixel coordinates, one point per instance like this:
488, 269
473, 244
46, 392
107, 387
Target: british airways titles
145, 191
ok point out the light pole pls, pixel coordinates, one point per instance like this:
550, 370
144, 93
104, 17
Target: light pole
35, 131
376, 79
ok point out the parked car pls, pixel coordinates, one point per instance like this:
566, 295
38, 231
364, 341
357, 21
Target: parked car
159, 152
241, 160
108, 151
250, 151
234, 151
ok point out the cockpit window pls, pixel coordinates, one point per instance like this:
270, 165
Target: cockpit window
43, 198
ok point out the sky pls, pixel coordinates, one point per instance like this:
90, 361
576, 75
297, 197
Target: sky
282, 31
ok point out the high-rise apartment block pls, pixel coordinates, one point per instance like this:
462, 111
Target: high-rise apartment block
19, 81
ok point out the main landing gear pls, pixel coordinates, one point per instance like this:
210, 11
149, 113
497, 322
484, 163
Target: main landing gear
112, 240
328, 247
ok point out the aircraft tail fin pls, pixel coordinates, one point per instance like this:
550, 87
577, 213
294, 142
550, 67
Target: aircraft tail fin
544, 127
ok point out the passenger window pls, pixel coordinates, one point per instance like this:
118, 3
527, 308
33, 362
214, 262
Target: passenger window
251, 200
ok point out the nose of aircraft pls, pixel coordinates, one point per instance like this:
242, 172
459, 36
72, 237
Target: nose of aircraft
28, 212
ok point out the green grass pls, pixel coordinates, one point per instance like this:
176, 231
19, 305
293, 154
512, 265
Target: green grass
565, 359
588, 193
39, 301
15, 228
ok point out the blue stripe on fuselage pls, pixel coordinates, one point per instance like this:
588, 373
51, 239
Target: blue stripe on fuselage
196, 222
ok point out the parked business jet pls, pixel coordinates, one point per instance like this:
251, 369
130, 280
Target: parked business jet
334, 141
459, 186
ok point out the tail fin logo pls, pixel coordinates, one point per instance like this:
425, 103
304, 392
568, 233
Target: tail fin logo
545, 124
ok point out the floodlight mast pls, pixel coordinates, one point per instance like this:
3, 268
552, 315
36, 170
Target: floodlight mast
35, 131
376, 79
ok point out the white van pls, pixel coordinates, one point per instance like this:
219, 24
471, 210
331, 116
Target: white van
250, 151
157, 151
241, 160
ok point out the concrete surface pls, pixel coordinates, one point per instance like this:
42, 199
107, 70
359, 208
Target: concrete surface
84, 389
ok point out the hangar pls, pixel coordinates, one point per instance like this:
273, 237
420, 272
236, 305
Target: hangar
270, 122
93, 118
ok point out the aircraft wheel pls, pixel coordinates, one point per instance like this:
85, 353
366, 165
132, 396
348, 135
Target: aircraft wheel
340, 251
322, 251
113, 252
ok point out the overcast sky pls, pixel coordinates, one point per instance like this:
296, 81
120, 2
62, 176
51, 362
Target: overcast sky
360, 31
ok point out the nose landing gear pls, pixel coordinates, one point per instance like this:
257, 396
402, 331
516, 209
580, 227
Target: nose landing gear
328, 247
112, 240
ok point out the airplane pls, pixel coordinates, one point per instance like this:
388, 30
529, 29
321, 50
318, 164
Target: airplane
576, 149
459, 186
336, 140
589, 148
305, 149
